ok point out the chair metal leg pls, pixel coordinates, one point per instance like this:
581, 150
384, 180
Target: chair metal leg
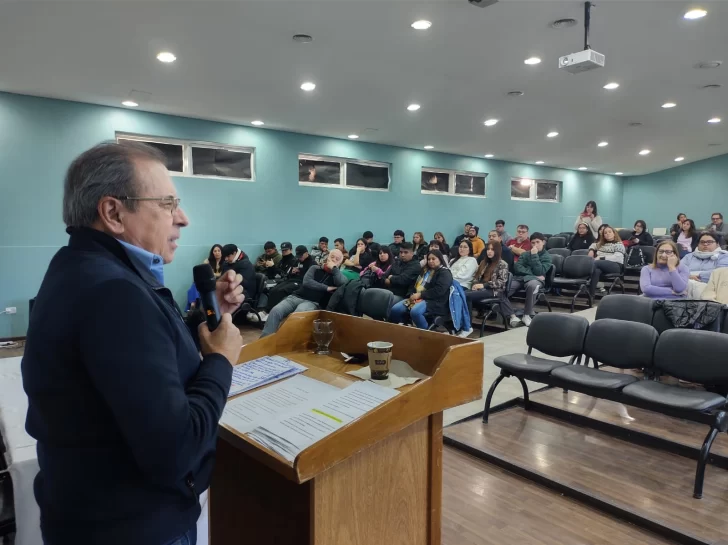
702, 460
545, 300
526, 400
482, 327
621, 285
489, 397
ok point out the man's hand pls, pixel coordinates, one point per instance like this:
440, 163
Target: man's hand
387, 282
226, 340
541, 278
229, 292
534, 251
415, 297
694, 277
331, 288
477, 287
269, 263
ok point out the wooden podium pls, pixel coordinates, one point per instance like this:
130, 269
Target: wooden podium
377, 481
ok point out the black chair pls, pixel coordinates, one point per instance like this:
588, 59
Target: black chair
547, 236
376, 303
624, 234
576, 273
555, 242
547, 285
615, 278
490, 304
558, 263
580, 252
252, 305
557, 335
564, 252
693, 356
567, 235
639, 256
657, 239
630, 308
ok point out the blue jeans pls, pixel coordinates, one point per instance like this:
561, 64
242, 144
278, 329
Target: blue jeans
188, 538
399, 312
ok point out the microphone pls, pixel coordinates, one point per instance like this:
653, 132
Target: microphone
205, 283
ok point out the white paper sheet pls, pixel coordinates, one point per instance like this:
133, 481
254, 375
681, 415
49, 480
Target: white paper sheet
251, 375
247, 412
300, 429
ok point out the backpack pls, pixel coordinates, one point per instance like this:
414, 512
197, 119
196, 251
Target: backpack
635, 258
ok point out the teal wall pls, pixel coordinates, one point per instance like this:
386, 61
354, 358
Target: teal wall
697, 189
39, 138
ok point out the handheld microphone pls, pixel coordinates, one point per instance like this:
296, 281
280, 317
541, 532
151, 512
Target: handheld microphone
205, 283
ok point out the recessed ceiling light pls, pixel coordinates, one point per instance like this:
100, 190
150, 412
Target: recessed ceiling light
429, 147
678, 159
166, 56
583, 168
413, 107
645, 152
711, 86
308, 86
563, 23
353, 136
552, 134
539, 162
603, 144
490, 122
257, 123
714, 120
611, 86
532, 61
421, 25
302, 38
695, 14
669, 105
515, 93
130, 103
618, 173
488, 155
708, 64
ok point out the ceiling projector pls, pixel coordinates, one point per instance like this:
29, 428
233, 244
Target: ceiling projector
582, 61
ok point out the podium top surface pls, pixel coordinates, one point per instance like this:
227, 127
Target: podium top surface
454, 367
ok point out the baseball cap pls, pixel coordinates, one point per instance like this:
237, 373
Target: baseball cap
286, 246
270, 245
229, 249
300, 250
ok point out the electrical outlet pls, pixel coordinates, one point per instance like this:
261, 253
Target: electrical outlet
11, 310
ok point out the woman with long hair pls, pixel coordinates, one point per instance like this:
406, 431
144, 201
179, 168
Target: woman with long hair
665, 277
608, 254
463, 267
215, 259
379, 268
430, 294
687, 238
582, 239
352, 266
441, 238
591, 217
436, 245
419, 245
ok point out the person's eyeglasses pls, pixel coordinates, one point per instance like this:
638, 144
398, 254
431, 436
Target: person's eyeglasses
707, 242
665, 252
715, 219
170, 203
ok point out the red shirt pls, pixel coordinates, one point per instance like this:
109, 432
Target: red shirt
525, 245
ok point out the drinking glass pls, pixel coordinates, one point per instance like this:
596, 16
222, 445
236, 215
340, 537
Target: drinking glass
323, 334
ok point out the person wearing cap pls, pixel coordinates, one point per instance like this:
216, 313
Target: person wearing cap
267, 263
475, 240
288, 260
398, 240
305, 261
320, 253
238, 261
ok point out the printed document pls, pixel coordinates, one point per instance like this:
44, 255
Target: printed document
256, 373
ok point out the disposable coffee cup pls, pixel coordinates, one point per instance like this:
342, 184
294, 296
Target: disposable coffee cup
380, 355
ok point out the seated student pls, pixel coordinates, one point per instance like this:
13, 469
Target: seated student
435, 245
340, 245
317, 282
305, 262
608, 254
500, 227
367, 237
404, 271
215, 260
675, 228
591, 217
506, 254
398, 241
665, 277
530, 273
288, 260
703, 261
583, 238
352, 263
687, 238
477, 242
267, 262
320, 253
441, 239
419, 245
237, 260
373, 274
521, 244
430, 294
490, 279
640, 235
717, 287
717, 226
464, 266
465, 234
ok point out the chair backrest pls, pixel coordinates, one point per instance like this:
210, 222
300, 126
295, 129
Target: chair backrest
557, 334
693, 355
556, 242
547, 235
550, 274
659, 231
564, 252
376, 303
648, 252
578, 266
624, 234
619, 343
557, 262
657, 240
580, 252
631, 308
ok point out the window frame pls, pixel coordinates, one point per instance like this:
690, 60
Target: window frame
533, 190
343, 171
452, 175
187, 161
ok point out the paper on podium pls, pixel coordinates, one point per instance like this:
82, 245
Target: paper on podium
400, 374
299, 429
256, 373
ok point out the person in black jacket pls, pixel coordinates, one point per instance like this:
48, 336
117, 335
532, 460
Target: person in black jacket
582, 239
405, 270
123, 407
429, 295
640, 235
238, 261
288, 260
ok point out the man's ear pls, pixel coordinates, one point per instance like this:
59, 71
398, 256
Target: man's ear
111, 215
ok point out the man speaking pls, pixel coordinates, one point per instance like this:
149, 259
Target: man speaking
124, 409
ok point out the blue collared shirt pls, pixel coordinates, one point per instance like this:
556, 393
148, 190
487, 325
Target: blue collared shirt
153, 262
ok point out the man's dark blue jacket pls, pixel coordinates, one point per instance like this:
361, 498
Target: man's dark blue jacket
124, 409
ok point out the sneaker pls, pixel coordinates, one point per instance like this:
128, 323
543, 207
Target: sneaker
602, 291
263, 315
252, 317
527, 320
515, 321
465, 333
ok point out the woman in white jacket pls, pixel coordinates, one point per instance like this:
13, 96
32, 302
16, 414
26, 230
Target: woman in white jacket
608, 254
591, 217
464, 266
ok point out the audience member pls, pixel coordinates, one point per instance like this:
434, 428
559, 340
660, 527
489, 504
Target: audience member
436, 245
490, 279
340, 245
530, 273
687, 238
238, 261
404, 271
378, 269
419, 245
677, 227
582, 239
288, 260
444, 248
505, 254
717, 287
398, 241
267, 262
640, 235
521, 244
463, 267
591, 217
368, 237
430, 294
665, 277
500, 226
707, 257
305, 262
215, 260
477, 242
717, 226
608, 253
317, 282
352, 264
320, 253
466, 234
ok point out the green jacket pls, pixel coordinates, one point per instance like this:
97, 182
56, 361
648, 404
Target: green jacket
529, 266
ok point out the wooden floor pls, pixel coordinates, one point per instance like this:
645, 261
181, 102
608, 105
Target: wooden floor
653, 484
486, 505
